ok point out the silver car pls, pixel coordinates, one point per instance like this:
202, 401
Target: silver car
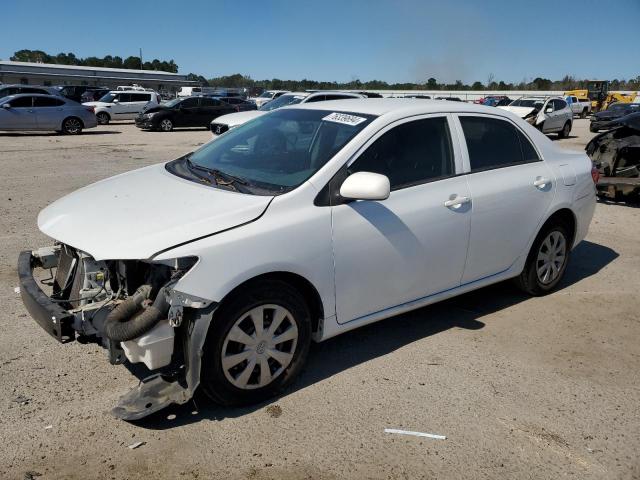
29, 111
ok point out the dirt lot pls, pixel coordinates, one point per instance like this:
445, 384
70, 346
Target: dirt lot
521, 387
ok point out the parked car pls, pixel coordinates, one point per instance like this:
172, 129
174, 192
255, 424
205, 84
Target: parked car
77, 92
579, 106
30, 111
452, 99
226, 122
616, 155
305, 223
495, 101
6, 90
93, 94
267, 96
602, 120
191, 91
240, 104
123, 105
183, 112
547, 114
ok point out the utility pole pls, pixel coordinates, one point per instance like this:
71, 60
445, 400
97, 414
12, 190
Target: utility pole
141, 67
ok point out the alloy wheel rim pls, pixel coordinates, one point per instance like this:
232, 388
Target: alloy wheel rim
166, 125
551, 257
259, 346
72, 125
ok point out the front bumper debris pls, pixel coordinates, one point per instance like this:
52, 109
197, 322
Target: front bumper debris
54, 319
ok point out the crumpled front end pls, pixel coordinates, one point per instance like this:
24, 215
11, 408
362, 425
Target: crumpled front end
133, 309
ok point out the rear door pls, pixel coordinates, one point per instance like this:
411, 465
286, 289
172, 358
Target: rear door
20, 116
138, 102
511, 189
189, 114
49, 112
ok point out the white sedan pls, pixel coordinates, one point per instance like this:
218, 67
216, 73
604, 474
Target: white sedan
547, 114
219, 268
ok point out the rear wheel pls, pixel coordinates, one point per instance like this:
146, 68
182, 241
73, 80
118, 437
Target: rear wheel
583, 114
166, 125
103, 118
257, 344
547, 261
72, 126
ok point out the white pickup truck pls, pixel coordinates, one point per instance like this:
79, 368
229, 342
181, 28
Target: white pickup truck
579, 106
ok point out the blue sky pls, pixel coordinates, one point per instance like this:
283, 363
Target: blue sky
396, 41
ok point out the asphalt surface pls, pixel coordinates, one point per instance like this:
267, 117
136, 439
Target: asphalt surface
521, 387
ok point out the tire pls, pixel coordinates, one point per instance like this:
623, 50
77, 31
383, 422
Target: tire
583, 114
165, 125
566, 130
238, 380
72, 126
103, 118
532, 280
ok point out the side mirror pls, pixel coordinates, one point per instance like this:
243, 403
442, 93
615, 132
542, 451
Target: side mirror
115, 100
366, 186
548, 109
6, 105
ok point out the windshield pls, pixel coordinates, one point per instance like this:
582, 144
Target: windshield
616, 107
172, 103
281, 101
527, 103
108, 98
275, 153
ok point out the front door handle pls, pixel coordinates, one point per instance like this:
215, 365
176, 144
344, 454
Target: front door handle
456, 202
541, 182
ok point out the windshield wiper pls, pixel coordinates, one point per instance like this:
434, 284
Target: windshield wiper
221, 178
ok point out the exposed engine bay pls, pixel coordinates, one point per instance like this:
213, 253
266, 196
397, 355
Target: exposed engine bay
616, 155
130, 308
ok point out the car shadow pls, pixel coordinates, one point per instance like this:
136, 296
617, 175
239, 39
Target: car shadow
372, 341
630, 201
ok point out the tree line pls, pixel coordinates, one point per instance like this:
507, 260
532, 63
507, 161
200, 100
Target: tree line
567, 83
131, 62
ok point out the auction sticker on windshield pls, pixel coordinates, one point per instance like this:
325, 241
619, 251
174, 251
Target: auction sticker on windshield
344, 118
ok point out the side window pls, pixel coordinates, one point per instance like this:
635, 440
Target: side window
140, 97
336, 97
189, 103
559, 105
124, 97
22, 102
494, 143
47, 102
410, 154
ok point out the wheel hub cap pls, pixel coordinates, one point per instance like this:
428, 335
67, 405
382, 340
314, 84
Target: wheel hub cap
259, 346
551, 257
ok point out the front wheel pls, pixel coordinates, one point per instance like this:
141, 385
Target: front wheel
72, 126
257, 344
166, 125
546, 262
564, 133
103, 118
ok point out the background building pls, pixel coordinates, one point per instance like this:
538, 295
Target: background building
53, 74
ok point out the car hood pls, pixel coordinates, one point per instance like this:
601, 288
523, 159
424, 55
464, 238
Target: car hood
235, 119
519, 111
137, 214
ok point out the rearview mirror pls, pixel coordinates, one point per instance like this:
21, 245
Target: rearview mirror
366, 186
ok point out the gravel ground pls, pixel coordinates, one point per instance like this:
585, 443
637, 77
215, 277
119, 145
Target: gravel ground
521, 387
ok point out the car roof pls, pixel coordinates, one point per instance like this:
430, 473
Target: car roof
408, 106
130, 91
19, 95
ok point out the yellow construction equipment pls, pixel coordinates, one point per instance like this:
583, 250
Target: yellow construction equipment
597, 92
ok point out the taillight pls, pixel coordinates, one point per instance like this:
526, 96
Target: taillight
595, 174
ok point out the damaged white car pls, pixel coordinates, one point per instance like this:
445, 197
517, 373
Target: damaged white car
547, 114
218, 269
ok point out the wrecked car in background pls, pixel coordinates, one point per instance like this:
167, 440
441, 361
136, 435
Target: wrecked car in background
601, 119
547, 114
616, 155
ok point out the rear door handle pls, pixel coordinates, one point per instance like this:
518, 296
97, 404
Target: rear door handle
541, 182
456, 202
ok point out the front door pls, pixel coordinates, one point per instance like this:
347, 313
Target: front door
189, 113
511, 189
411, 245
